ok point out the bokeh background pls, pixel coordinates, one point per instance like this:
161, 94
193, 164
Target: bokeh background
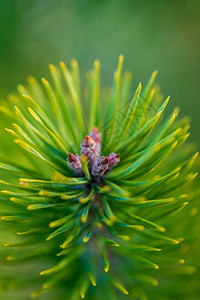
158, 35
162, 35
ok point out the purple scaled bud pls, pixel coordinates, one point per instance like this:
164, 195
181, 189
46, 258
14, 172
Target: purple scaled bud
88, 149
96, 136
74, 162
113, 159
100, 166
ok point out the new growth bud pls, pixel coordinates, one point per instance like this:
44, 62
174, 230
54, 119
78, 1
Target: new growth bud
113, 159
100, 166
88, 149
96, 136
74, 162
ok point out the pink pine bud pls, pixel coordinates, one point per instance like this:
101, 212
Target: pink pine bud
75, 164
88, 149
113, 159
100, 166
96, 136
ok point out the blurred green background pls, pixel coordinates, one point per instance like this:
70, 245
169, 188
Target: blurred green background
162, 35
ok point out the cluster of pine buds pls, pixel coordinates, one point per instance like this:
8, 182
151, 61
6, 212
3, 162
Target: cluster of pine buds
91, 151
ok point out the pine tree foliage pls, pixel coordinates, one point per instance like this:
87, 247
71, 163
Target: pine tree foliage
94, 234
